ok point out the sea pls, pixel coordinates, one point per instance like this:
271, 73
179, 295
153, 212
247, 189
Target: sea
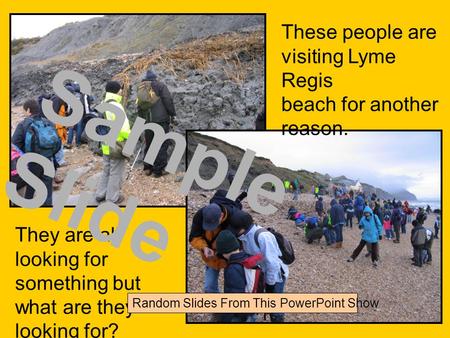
436, 204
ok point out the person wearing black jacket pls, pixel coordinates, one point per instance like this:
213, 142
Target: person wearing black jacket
161, 112
337, 215
234, 277
32, 108
319, 206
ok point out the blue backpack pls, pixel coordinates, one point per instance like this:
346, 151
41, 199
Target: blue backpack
41, 137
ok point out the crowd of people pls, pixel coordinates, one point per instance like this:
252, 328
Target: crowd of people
376, 219
36, 134
228, 239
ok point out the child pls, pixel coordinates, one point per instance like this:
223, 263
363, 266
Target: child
387, 226
427, 257
437, 225
228, 246
418, 239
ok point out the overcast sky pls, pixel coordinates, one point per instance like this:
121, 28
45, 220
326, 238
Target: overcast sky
29, 26
389, 160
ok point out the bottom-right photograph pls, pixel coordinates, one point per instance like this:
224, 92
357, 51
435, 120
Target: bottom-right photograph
359, 213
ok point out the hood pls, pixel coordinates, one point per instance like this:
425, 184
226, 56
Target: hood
333, 202
367, 209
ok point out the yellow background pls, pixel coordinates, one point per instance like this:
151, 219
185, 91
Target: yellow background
421, 70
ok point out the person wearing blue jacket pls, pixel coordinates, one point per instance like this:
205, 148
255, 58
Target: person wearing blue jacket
337, 215
359, 206
372, 232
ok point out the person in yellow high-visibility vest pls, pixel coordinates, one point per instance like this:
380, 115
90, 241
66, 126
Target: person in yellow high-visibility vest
114, 161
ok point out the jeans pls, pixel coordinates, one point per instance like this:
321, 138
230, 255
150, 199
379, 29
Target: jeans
38, 171
389, 233
436, 232
277, 288
373, 250
296, 194
161, 159
403, 228
337, 228
78, 129
59, 156
211, 284
329, 236
349, 219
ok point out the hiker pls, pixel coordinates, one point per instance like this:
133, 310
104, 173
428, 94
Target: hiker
319, 206
337, 220
327, 229
287, 185
155, 105
418, 239
312, 230
291, 213
114, 161
296, 187
371, 234
427, 256
428, 209
316, 192
78, 129
207, 223
265, 243
16, 153
387, 226
234, 274
437, 226
347, 203
396, 220
421, 216
359, 206
38, 135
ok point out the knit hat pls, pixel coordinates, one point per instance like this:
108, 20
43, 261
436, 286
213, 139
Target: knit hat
211, 216
150, 75
226, 242
113, 87
240, 220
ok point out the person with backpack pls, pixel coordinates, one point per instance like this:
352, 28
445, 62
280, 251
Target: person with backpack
114, 161
257, 240
79, 127
241, 275
327, 229
36, 134
337, 215
372, 232
312, 229
347, 203
319, 206
207, 223
155, 104
16, 153
418, 240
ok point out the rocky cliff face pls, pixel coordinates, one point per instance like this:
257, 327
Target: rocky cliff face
213, 65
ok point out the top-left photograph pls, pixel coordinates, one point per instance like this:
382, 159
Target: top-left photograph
73, 76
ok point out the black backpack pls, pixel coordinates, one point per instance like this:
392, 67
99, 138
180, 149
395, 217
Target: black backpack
287, 251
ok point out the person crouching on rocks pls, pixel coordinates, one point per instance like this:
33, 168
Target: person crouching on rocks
372, 233
265, 243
